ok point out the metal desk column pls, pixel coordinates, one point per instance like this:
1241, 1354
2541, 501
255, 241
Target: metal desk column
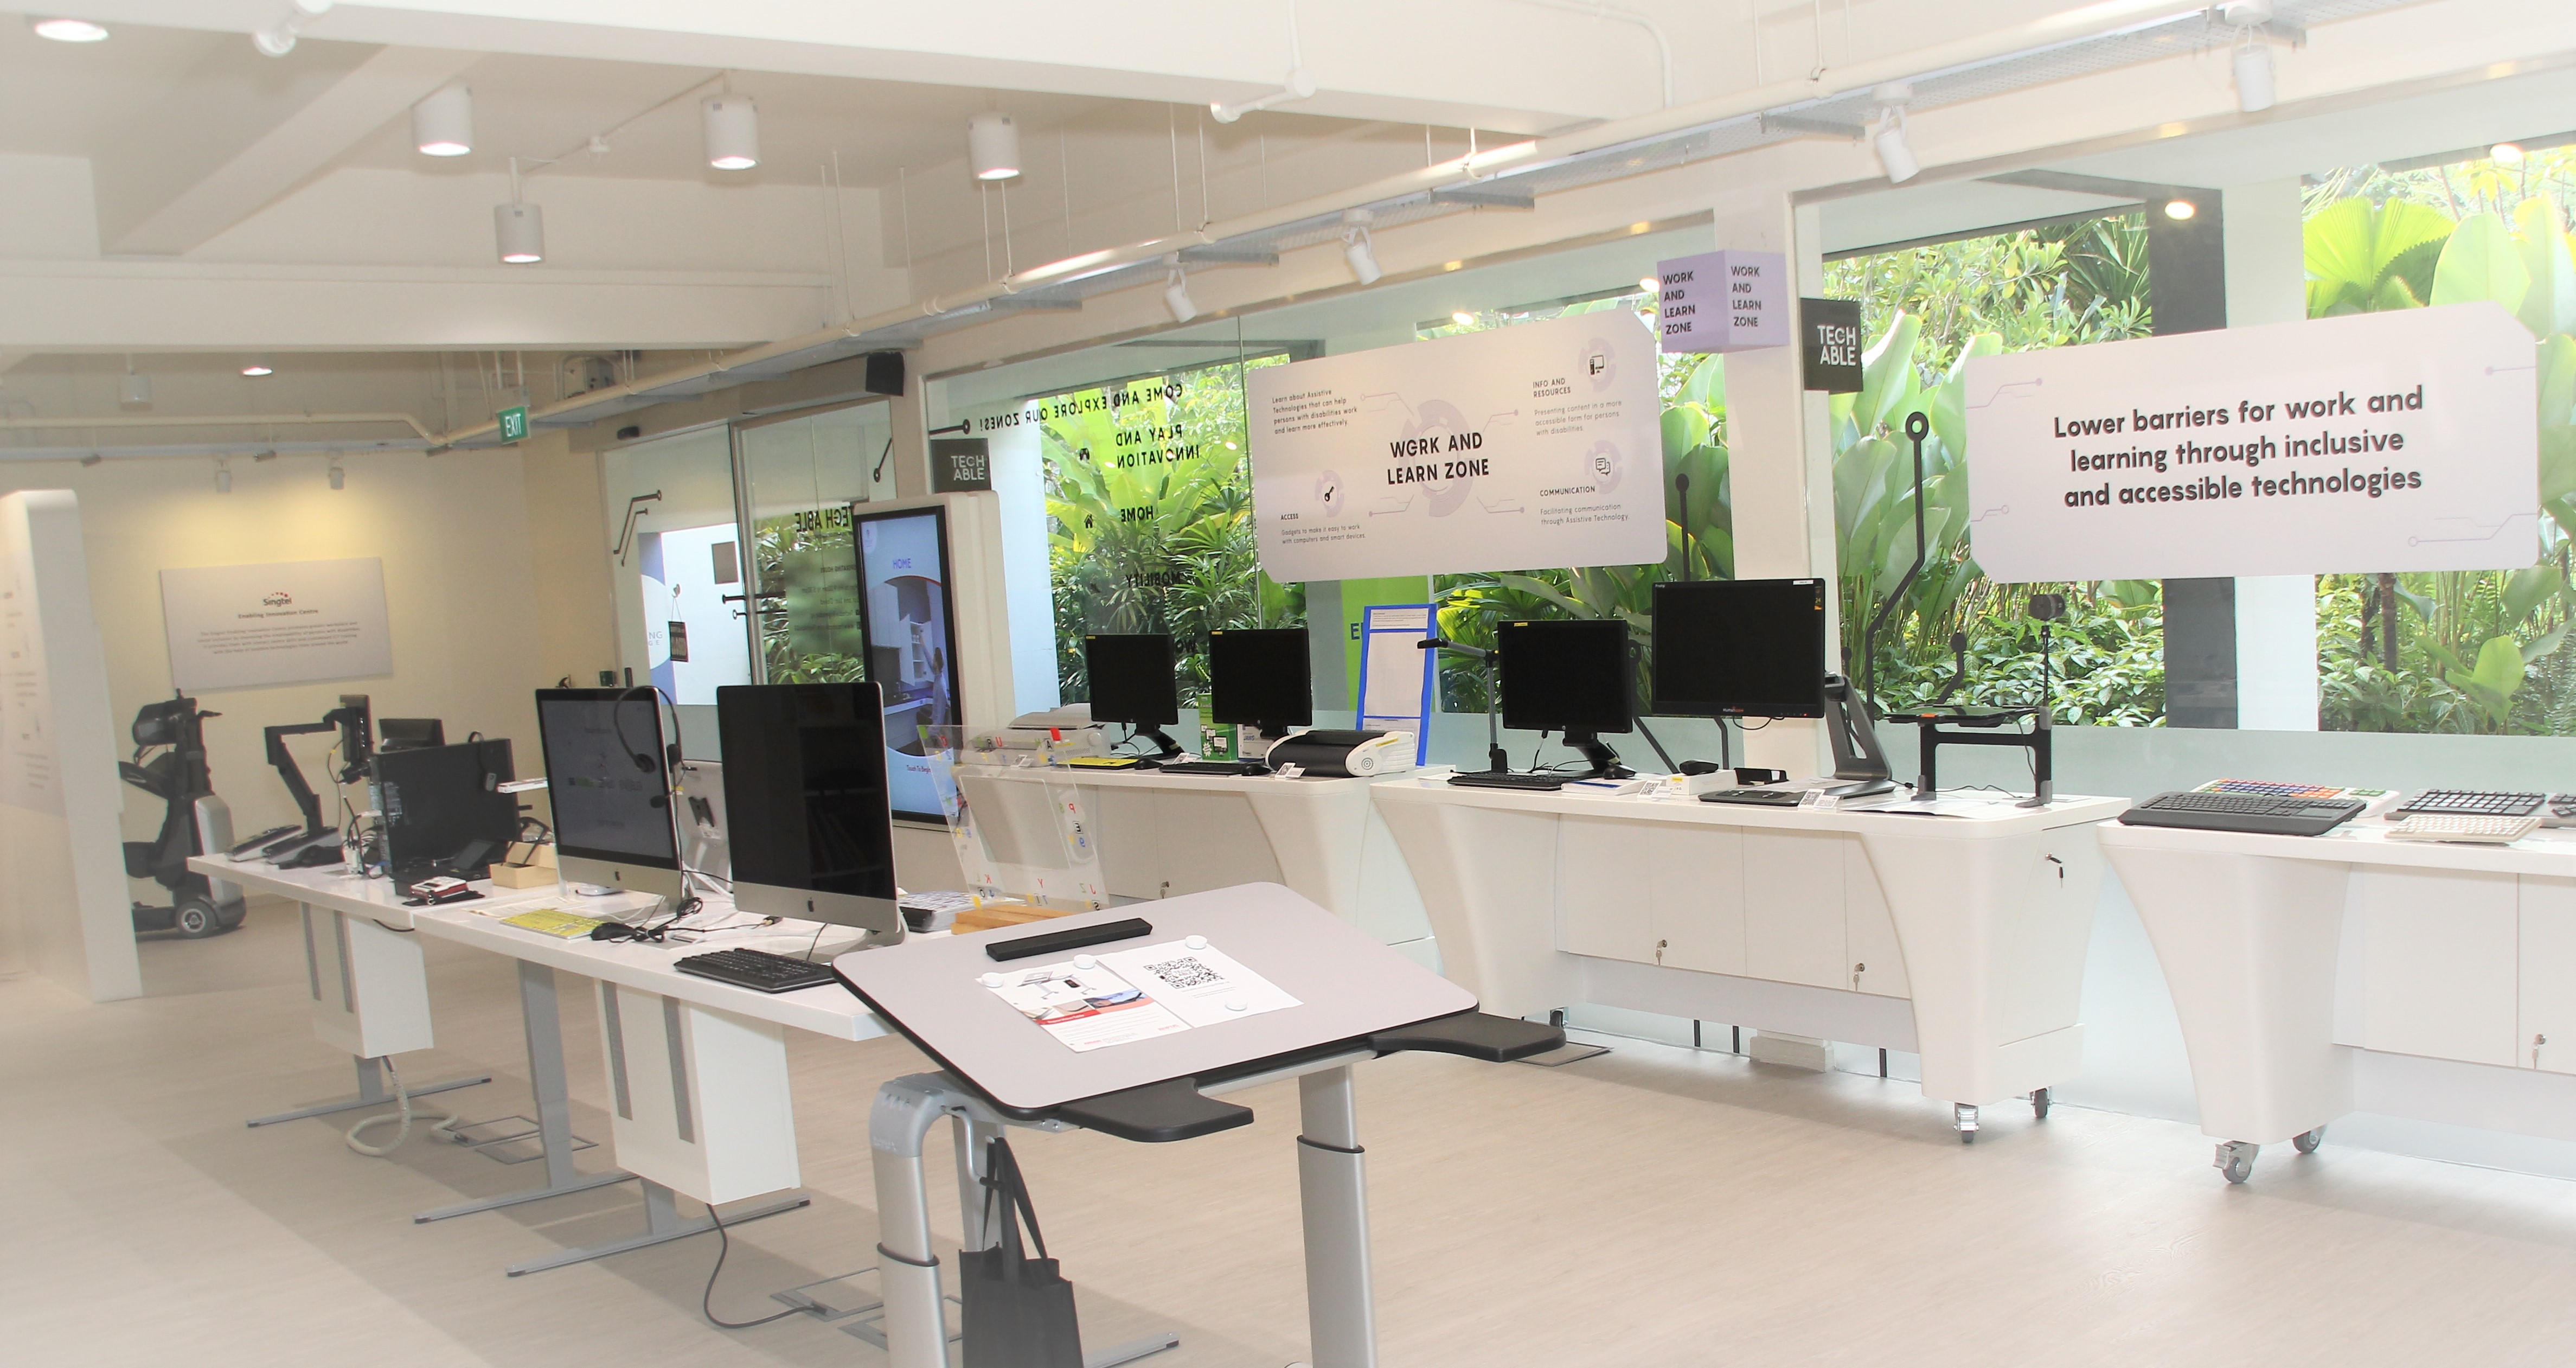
1332, 1183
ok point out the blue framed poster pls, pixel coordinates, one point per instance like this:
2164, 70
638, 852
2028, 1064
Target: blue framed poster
1396, 675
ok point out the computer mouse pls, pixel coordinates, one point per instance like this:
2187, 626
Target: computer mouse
609, 931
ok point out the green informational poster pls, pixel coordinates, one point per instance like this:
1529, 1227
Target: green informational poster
822, 587
1358, 596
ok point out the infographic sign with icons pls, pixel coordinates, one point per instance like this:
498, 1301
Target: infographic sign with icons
1539, 444
2406, 440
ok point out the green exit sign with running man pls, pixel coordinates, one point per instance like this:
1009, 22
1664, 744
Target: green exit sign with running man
514, 423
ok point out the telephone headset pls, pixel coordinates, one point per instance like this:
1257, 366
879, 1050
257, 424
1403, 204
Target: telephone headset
644, 758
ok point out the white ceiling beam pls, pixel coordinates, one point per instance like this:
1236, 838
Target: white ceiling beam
1517, 69
119, 306
241, 129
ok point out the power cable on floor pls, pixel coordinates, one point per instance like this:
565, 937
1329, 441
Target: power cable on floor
445, 1123
706, 1301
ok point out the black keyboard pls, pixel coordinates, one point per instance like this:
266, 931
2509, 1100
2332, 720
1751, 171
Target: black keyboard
242, 848
1489, 779
757, 970
2243, 812
1755, 797
1240, 768
2474, 803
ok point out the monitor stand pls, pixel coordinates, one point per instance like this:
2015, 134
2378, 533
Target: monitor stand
1170, 749
1605, 761
1858, 761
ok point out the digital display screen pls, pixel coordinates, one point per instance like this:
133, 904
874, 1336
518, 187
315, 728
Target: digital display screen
1740, 648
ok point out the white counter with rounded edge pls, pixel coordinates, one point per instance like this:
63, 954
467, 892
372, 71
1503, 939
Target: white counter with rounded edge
1959, 937
1161, 835
2285, 954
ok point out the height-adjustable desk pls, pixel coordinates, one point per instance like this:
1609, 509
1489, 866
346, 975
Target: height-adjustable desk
1165, 834
1359, 1000
2288, 956
1959, 937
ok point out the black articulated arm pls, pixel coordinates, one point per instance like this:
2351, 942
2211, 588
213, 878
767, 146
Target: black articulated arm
291, 774
1159, 1112
1476, 1035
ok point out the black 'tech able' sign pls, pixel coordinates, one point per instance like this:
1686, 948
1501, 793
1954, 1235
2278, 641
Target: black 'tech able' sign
960, 465
1829, 330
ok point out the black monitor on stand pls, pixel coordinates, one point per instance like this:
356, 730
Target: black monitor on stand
409, 733
1756, 648
1570, 676
1132, 681
1259, 677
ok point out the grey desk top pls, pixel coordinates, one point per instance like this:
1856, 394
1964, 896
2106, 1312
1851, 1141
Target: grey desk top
1349, 986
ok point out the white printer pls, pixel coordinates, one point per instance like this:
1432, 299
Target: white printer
1345, 754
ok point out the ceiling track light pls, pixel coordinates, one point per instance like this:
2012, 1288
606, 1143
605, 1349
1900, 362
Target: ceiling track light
732, 127
278, 39
1887, 135
518, 228
91, 459
1356, 247
993, 147
223, 475
68, 30
2255, 90
1176, 290
339, 477
137, 393
2180, 209
442, 125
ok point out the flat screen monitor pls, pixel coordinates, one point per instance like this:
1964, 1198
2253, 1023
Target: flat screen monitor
1260, 677
1566, 676
441, 808
1132, 679
812, 834
1740, 648
909, 622
357, 736
610, 785
409, 733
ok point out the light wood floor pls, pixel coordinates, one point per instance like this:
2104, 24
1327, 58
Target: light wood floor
1650, 1207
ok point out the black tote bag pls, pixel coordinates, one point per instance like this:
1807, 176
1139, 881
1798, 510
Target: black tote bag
1018, 1310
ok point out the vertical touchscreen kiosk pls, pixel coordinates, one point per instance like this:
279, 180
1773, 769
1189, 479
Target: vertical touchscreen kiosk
911, 629
610, 782
805, 789
1132, 681
1571, 677
1260, 677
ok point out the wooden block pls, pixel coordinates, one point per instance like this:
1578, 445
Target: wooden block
988, 917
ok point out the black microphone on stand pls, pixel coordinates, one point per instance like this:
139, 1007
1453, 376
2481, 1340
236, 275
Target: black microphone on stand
1495, 760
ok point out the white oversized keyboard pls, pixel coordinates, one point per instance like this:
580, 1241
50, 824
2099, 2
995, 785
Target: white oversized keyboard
2443, 826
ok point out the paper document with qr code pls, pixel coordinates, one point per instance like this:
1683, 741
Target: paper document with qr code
1091, 1002
1202, 986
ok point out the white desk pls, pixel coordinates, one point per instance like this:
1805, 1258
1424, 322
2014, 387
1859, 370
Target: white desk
2287, 953
1962, 939
363, 969
1163, 835
697, 1070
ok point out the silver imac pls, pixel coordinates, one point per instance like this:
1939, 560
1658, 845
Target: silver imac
609, 780
812, 834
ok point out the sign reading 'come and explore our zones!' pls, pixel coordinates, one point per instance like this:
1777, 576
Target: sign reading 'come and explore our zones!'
2374, 442
1533, 445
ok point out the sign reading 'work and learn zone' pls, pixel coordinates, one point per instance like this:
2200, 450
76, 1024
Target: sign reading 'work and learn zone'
1723, 302
2375, 442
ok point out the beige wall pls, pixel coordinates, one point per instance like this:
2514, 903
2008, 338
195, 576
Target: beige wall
568, 584
469, 609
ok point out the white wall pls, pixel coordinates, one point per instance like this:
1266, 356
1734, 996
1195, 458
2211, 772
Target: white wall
453, 534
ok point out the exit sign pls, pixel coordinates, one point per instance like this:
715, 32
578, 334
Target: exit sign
514, 423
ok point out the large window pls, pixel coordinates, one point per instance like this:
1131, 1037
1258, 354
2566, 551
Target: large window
1149, 509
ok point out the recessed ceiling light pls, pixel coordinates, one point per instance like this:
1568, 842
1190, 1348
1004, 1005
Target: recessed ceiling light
258, 366
69, 30
2180, 209
1650, 285
1463, 319
2506, 154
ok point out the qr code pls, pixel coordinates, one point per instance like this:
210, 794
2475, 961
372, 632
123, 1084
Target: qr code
1185, 972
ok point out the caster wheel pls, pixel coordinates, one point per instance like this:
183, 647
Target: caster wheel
2307, 1141
2235, 1159
2039, 1105
1964, 1117
198, 920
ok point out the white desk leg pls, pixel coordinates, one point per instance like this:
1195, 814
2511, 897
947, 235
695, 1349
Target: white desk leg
1332, 1182
544, 1025
346, 967
916, 1333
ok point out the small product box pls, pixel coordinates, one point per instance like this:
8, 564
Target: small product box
530, 864
1216, 742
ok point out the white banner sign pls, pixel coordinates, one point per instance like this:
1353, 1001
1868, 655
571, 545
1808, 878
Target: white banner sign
295, 622
1533, 446
2405, 440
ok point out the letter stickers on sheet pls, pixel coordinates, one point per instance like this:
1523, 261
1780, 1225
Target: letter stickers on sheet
2406, 440
1538, 445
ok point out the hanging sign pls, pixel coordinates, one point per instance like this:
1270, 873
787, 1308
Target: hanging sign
1829, 333
1724, 302
513, 423
960, 465
2405, 440
1535, 445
